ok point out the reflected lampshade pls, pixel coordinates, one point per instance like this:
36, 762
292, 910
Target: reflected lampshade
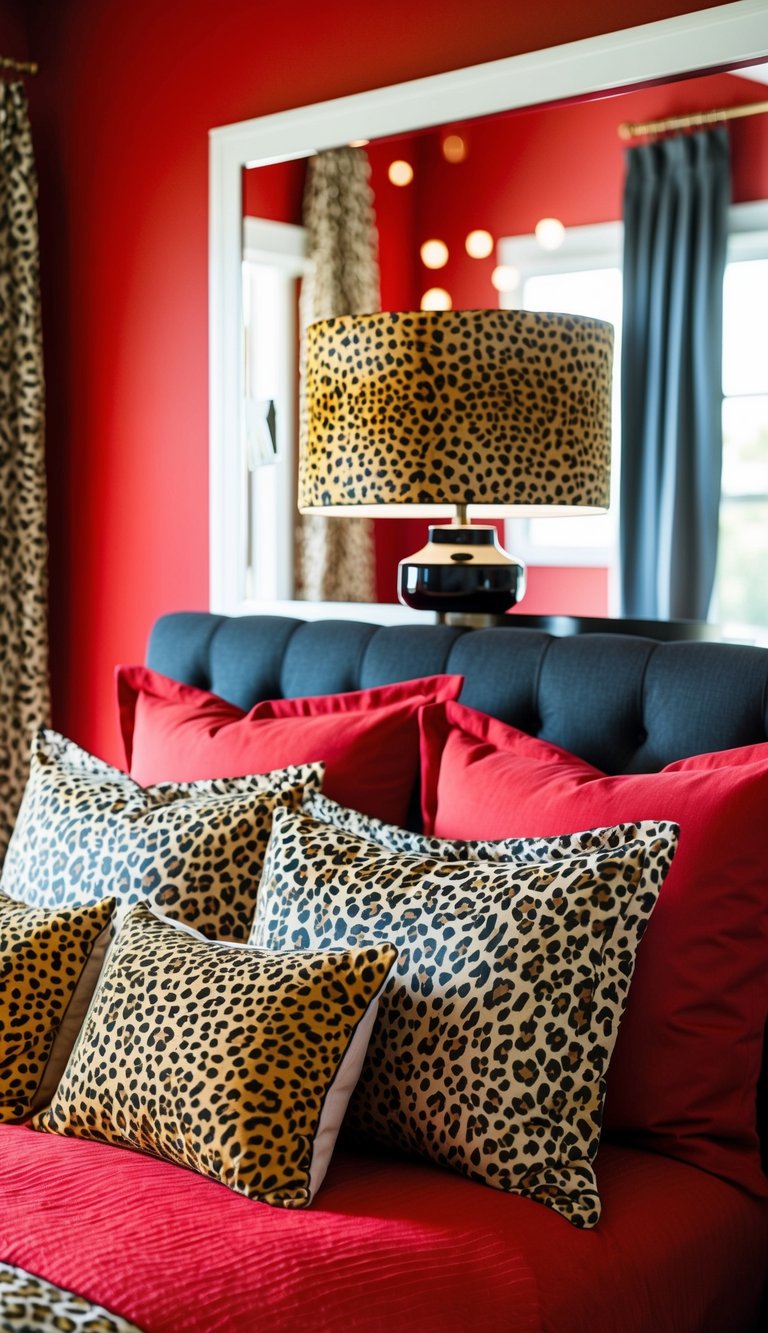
481, 411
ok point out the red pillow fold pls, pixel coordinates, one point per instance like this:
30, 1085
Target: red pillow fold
687, 1058
368, 739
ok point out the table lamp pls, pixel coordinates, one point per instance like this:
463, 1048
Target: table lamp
457, 413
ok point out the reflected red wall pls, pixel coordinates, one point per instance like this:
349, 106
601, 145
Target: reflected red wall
563, 162
275, 191
14, 37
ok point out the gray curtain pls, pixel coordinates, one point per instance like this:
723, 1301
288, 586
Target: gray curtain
676, 200
24, 702
335, 559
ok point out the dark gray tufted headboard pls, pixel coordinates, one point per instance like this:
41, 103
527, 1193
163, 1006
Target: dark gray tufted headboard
625, 704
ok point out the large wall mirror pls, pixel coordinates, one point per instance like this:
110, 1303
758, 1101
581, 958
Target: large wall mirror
496, 147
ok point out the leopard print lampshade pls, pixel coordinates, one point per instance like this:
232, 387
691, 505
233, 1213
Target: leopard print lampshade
494, 409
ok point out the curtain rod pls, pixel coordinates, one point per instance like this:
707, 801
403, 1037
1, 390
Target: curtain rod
635, 130
18, 66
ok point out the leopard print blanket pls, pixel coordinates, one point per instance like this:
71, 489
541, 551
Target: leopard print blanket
31, 1305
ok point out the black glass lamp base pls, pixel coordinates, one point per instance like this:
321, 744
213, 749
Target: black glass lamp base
464, 569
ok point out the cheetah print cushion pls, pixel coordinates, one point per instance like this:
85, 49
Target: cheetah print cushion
193, 850
32, 1305
44, 955
233, 1061
493, 1037
527, 850
619, 950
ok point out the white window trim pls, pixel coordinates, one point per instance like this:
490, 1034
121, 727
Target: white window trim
596, 246
280, 246
747, 231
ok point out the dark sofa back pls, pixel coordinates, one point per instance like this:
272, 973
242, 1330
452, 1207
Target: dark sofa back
625, 704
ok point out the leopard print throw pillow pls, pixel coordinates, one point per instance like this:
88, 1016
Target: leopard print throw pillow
527, 850
193, 850
30, 1304
233, 1061
44, 959
494, 1034
619, 950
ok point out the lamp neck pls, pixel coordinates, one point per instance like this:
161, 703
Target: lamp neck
461, 517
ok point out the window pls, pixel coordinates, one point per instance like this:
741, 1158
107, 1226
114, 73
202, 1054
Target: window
740, 602
273, 263
584, 277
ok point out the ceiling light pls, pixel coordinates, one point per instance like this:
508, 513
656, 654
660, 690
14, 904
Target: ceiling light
454, 148
434, 254
550, 233
400, 172
505, 277
479, 244
436, 298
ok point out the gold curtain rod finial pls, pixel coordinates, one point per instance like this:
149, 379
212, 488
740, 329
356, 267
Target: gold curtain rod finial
18, 66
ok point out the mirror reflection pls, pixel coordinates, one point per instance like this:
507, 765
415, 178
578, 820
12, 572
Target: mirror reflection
516, 209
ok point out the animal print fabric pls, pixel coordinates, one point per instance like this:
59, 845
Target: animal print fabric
193, 850
335, 557
221, 1058
43, 956
24, 694
493, 1037
528, 851
29, 1304
480, 407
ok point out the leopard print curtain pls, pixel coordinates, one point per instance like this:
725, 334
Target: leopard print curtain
24, 696
335, 556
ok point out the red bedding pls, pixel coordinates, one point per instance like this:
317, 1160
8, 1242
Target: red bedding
387, 1245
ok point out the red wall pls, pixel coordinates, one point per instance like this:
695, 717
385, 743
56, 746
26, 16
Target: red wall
276, 191
121, 111
14, 38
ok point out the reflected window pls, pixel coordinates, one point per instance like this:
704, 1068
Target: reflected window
595, 292
741, 589
584, 277
274, 261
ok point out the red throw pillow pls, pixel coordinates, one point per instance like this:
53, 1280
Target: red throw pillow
368, 739
685, 1067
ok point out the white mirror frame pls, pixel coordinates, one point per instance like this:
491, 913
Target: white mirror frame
690, 43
